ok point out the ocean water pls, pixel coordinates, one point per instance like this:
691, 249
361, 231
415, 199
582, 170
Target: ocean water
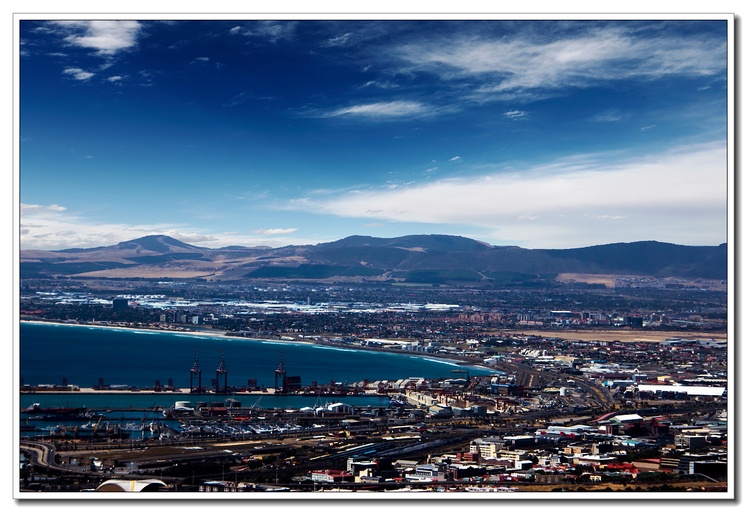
82, 355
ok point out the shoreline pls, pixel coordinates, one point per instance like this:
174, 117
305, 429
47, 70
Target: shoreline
643, 336
581, 335
224, 335
212, 333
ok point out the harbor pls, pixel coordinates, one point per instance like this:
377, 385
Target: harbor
185, 417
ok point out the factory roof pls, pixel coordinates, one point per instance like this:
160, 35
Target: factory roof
690, 390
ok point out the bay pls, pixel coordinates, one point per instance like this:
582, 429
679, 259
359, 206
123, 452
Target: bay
86, 355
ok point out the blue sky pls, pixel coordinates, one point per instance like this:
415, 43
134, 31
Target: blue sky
542, 133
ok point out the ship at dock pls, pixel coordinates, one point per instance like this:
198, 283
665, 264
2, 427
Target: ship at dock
90, 430
35, 411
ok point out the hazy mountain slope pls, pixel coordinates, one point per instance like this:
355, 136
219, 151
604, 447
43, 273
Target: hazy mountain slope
416, 257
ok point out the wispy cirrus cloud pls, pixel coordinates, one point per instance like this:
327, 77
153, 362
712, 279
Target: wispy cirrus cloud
341, 40
380, 84
527, 66
245, 97
269, 30
610, 116
519, 65
382, 110
515, 115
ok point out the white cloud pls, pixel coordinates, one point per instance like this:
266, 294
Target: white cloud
107, 37
53, 227
520, 66
341, 40
27, 208
272, 31
681, 193
275, 231
379, 84
515, 114
388, 109
455, 158
78, 74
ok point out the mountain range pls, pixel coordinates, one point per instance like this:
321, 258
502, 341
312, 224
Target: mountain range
433, 259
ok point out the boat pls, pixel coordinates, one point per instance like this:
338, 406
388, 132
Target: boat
132, 427
54, 413
94, 430
398, 401
180, 408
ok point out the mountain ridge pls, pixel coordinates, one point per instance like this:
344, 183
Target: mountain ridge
435, 259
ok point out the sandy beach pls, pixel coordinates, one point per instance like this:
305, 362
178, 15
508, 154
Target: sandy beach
192, 332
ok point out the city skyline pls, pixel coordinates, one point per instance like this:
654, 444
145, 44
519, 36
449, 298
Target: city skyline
544, 133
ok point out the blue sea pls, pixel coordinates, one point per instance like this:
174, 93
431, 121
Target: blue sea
86, 355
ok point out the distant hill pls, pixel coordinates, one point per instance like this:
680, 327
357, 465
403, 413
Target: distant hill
157, 243
650, 258
434, 259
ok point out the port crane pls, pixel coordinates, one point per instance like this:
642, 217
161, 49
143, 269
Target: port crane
96, 425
